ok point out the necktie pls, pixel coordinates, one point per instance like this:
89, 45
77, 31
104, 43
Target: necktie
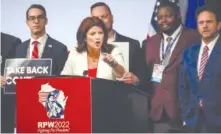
166, 55
169, 39
169, 45
35, 50
203, 62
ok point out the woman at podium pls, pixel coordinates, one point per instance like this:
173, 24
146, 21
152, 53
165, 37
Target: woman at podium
92, 56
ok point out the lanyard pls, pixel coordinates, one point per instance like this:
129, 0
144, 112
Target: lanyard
169, 46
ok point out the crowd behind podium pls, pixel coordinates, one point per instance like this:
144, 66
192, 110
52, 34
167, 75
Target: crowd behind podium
178, 66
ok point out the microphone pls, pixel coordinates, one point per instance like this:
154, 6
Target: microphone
85, 72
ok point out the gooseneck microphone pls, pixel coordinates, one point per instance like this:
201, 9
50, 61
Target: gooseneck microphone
85, 73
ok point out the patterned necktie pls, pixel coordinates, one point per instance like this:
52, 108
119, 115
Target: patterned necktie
35, 50
168, 40
166, 56
203, 62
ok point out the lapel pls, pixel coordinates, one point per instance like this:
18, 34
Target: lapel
215, 54
180, 46
117, 37
194, 58
47, 52
156, 48
24, 49
84, 61
101, 66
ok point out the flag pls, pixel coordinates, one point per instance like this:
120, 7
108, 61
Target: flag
190, 15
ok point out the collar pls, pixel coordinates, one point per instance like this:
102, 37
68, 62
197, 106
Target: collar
174, 33
211, 44
41, 40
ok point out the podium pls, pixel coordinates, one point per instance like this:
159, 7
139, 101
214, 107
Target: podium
91, 106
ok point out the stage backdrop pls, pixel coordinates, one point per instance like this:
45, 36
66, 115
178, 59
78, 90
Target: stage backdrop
131, 17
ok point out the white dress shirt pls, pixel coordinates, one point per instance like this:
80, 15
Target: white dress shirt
42, 41
173, 36
210, 46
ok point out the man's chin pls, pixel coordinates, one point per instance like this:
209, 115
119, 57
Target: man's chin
37, 32
167, 31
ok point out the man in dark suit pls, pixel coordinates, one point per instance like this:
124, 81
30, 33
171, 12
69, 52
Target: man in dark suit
163, 57
8, 46
200, 77
41, 45
102, 11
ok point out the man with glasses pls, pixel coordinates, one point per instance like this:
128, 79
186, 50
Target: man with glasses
41, 45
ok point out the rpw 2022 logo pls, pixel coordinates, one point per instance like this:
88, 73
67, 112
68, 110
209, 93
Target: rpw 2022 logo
54, 102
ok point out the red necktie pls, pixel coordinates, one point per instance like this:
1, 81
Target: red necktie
35, 50
203, 62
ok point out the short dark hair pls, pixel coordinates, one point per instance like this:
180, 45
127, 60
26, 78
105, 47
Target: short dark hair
171, 5
209, 9
85, 25
38, 6
100, 4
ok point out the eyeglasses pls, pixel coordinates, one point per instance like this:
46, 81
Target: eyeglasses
33, 18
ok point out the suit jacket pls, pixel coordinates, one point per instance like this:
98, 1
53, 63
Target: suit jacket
8, 47
53, 49
165, 94
144, 43
208, 89
136, 59
77, 64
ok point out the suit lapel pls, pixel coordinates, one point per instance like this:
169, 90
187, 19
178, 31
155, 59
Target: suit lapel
47, 52
116, 36
180, 46
101, 66
156, 48
194, 65
24, 50
84, 61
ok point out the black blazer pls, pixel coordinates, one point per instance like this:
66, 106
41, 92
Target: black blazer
8, 47
53, 49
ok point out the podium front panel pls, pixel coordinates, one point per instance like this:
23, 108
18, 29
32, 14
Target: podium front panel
35, 117
118, 108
